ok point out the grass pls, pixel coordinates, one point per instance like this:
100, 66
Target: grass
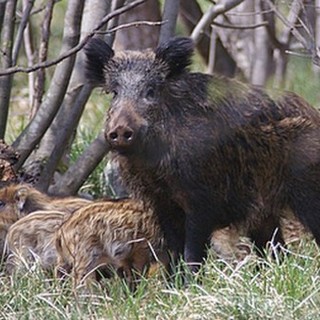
252, 289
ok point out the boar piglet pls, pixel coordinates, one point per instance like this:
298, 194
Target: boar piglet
121, 235
31, 240
207, 151
19, 199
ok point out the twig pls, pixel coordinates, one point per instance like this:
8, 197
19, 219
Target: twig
27, 38
132, 24
77, 47
309, 44
211, 14
238, 27
299, 54
251, 13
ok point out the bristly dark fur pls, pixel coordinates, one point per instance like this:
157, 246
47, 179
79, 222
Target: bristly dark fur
98, 53
207, 151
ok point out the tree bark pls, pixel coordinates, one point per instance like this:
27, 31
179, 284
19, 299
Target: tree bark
2, 11
6, 62
169, 16
262, 61
143, 36
317, 31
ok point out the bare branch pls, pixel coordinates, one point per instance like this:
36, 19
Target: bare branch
212, 52
307, 44
131, 24
27, 40
78, 47
211, 14
43, 54
22, 26
77, 174
191, 13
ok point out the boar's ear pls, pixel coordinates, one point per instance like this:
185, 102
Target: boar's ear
98, 54
176, 53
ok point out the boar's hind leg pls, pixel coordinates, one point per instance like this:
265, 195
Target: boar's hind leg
268, 230
304, 197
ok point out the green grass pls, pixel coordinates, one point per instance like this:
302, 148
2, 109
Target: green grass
252, 289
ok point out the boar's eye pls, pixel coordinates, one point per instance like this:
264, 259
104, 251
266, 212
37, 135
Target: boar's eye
150, 93
114, 93
2, 204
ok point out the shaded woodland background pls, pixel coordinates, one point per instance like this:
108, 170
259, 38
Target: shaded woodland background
41, 66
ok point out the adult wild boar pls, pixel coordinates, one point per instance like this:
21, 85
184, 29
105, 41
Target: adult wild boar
207, 151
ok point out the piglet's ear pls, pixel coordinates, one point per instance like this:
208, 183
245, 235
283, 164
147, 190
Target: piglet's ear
98, 54
176, 53
21, 197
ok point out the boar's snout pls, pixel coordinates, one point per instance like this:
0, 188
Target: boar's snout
120, 136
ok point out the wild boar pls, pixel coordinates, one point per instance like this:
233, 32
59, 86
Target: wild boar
206, 151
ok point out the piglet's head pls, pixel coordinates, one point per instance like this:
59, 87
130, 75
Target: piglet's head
138, 81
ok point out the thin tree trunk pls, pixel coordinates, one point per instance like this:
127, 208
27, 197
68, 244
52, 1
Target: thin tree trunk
6, 62
281, 57
169, 16
263, 53
317, 32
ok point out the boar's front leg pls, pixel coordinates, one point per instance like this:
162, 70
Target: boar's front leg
197, 239
172, 222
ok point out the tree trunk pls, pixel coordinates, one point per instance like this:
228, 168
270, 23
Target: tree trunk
169, 16
317, 31
143, 36
262, 61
